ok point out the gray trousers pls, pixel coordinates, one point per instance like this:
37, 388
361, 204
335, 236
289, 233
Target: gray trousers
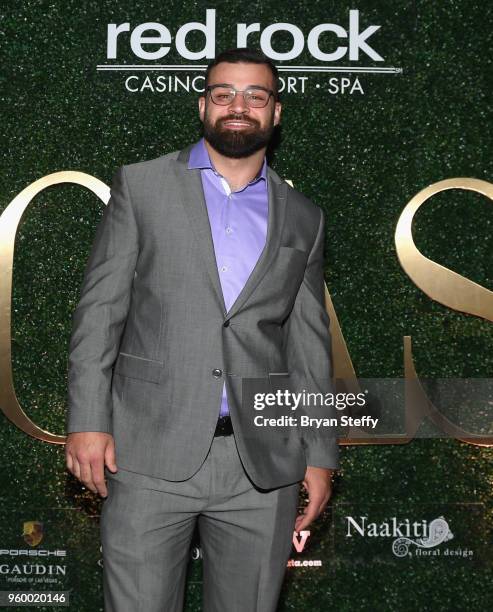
245, 534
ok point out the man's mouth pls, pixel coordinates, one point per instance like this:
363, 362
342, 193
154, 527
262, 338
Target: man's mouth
237, 123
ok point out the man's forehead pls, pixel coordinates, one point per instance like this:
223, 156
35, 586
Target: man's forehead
241, 74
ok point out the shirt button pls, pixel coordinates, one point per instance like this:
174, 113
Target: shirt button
228, 230
224, 268
217, 373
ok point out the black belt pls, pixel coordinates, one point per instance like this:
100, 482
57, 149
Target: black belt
224, 426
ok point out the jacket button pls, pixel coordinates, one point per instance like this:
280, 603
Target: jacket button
226, 323
217, 373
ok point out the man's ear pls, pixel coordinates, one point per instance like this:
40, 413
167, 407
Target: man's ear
202, 108
277, 113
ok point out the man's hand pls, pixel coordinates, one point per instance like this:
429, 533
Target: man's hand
318, 484
86, 453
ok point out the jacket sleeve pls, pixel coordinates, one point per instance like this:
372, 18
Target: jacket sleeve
309, 357
99, 318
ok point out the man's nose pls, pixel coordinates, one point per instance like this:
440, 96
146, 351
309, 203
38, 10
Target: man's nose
238, 105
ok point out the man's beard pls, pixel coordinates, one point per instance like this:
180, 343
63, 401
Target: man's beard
237, 143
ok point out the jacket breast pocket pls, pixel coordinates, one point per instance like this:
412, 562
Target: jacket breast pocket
287, 251
292, 261
141, 368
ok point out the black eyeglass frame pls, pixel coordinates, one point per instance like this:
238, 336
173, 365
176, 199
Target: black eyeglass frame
209, 89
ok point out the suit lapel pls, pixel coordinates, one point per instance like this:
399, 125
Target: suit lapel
277, 190
190, 188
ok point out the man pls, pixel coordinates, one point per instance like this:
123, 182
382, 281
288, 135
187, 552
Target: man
205, 272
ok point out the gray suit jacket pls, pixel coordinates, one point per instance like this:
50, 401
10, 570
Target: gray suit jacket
151, 331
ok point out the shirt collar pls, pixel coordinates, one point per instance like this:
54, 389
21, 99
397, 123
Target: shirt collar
199, 158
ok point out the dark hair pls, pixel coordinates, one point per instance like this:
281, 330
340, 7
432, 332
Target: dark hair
247, 56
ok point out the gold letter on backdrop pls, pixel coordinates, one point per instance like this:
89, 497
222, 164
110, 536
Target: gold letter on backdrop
444, 286
9, 222
440, 283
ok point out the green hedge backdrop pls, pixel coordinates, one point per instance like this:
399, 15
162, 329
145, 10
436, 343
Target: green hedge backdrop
361, 157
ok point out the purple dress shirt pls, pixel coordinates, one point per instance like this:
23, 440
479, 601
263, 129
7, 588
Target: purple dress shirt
238, 221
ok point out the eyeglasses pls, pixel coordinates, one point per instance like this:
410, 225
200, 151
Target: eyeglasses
223, 95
